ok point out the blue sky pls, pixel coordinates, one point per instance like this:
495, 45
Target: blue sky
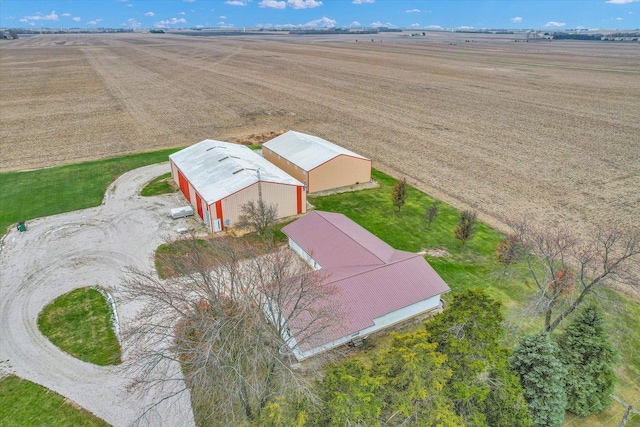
516, 14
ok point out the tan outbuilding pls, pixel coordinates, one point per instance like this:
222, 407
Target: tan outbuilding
217, 178
319, 164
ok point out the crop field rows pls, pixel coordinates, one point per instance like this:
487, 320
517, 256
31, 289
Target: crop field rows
546, 129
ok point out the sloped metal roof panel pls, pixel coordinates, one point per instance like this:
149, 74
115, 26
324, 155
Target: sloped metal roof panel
218, 169
307, 151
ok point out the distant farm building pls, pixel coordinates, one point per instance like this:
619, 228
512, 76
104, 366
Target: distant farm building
217, 178
319, 164
377, 286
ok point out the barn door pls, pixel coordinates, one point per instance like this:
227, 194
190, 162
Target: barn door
199, 205
184, 185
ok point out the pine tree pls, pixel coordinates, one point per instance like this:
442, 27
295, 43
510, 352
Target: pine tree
484, 389
542, 378
588, 357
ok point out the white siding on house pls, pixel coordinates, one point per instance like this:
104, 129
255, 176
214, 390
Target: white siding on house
382, 322
305, 256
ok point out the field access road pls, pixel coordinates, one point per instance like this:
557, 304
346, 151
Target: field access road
85, 248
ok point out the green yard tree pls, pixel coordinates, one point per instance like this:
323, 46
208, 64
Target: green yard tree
466, 227
542, 377
413, 375
468, 333
350, 395
505, 405
399, 194
588, 357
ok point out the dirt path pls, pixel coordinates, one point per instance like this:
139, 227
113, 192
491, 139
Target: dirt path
84, 248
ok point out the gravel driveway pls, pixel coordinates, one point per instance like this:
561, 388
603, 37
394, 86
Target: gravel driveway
84, 248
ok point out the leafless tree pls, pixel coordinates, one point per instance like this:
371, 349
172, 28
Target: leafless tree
430, 214
230, 326
567, 268
257, 215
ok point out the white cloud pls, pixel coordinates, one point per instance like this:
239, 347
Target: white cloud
40, 17
23, 20
555, 24
222, 17
621, 1
76, 19
149, 14
363, 1
236, 2
412, 11
516, 19
618, 18
323, 22
132, 23
172, 21
94, 22
66, 14
380, 24
304, 4
181, 13
580, 27
129, 5
356, 24
273, 4
199, 26
415, 25
188, 1
435, 27
464, 27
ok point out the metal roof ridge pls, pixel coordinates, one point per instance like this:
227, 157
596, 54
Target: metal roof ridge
351, 238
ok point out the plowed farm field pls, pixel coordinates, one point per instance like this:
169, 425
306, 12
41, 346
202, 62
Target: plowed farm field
546, 129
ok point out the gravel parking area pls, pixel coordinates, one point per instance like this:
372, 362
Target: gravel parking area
84, 248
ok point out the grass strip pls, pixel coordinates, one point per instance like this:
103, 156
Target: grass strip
473, 267
79, 323
34, 194
23, 403
163, 184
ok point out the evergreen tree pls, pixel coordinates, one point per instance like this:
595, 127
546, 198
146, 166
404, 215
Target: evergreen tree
505, 405
413, 376
588, 357
542, 378
481, 385
350, 396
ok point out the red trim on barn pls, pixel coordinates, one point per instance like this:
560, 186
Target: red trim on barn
184, 184
299, 197
219, 213
199, 206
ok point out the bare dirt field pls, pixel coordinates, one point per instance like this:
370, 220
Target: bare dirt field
550, 129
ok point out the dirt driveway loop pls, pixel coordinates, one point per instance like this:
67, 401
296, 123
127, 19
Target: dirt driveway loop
77, 249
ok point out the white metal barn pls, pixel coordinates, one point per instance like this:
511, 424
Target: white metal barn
320, 164
217, 178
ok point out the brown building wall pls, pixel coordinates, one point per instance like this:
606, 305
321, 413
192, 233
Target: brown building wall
284, 196
339, 172
288, 167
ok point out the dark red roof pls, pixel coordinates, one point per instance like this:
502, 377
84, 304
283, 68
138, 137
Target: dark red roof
372, 278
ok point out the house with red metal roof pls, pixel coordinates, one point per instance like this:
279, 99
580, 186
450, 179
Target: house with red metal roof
377, 285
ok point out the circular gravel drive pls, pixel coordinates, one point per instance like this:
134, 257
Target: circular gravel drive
84, 248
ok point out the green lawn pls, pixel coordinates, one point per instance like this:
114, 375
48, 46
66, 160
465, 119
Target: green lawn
79, 323
23, 403
474, 267
42, 192
161, 185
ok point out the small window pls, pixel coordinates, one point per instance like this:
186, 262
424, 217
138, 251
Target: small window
287, 162
278, 156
